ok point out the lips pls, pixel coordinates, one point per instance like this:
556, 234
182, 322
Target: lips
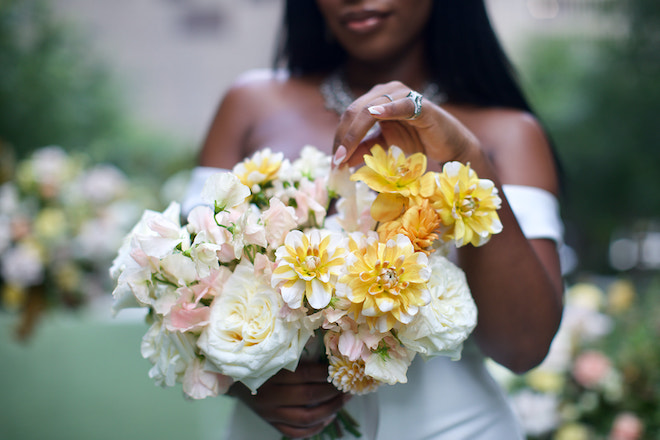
363, 21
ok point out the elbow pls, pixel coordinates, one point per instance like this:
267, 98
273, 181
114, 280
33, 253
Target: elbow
527, 351
523, 363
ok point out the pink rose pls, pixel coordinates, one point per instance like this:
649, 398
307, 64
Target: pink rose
626, 426
591, 368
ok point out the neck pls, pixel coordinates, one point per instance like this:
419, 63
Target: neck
410, 68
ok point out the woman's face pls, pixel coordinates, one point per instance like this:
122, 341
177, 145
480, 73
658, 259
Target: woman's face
376, 30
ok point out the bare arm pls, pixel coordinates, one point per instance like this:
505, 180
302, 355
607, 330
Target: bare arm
224, 143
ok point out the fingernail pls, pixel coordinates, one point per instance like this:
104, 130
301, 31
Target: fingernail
376, 109
340, 155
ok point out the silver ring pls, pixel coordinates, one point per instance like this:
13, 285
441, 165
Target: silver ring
416, 98
388, 97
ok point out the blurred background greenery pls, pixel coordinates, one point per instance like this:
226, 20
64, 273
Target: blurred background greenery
598, 95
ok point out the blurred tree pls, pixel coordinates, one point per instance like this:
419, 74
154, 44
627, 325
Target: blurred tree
601, 100
54, 91
51, 90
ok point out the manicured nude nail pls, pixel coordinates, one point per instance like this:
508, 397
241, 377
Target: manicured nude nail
340, 155
376, 109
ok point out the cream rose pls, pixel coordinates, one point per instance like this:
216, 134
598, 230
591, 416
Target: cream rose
248, 338
441, 326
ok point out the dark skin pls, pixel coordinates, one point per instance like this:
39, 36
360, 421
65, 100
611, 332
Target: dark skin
516, 283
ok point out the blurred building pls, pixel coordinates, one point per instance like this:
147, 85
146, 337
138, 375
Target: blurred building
175, 58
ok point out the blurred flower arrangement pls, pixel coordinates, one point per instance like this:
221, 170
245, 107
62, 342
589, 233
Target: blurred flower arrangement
61, 221
238, 292
601, 378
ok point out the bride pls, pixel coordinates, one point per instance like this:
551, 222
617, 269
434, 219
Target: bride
350, 74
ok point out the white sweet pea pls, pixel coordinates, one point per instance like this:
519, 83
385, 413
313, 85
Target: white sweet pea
354, 205
441, 327
154, 237
390, 367
248, 230
171, 353
224, 190
312, 163
178, 269
247, 338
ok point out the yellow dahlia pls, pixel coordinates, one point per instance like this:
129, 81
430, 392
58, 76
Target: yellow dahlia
349, 377
385, 282
466, 204
261, 168
419, 223
393, 176
307, 267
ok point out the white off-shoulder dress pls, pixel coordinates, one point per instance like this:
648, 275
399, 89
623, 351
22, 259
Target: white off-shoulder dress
443, 399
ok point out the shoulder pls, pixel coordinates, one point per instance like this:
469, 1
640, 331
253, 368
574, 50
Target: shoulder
517, 144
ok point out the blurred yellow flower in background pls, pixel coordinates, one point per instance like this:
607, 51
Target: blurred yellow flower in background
620, 296
545, 381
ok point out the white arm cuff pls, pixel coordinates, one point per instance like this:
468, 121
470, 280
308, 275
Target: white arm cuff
536, 210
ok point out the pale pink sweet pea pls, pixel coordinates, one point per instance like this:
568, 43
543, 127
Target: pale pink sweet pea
278, 220
626, 426
184, 318
311, 198
189, 314
247, 230
199, 383
202, 222
591, 368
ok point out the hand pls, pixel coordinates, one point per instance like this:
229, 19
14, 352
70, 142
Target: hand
434, 132
298, 404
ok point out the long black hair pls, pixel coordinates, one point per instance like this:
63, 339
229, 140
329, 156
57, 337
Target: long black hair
464, 54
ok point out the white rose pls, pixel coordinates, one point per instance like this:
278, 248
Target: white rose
441, 327
247, 338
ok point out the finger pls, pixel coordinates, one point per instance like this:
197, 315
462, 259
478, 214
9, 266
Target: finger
295, 432
400, 109
306, 372
307, 394
356, 124
306, 416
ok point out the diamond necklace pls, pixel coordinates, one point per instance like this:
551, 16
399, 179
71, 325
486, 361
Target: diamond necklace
337, 96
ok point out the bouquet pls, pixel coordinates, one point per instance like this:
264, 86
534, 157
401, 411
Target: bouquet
61, 222
284, 251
